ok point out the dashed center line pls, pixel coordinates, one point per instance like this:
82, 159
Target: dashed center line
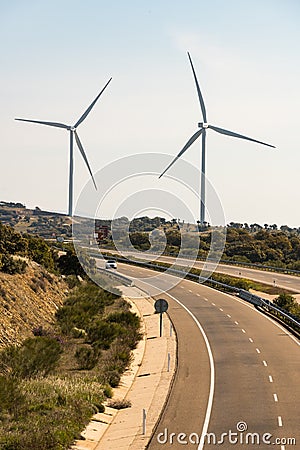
221, 309
198, 295
236, 322
213, 304
275, 397
243, 330
270, 378
228, 315
190, 290
182, 287
250, 339
265, 363
279, 421
257, 349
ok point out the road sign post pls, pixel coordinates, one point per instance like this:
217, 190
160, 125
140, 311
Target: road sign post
161, 305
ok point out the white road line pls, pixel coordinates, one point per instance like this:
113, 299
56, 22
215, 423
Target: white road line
213, 304
243, 330
270, 378
279, 421
257, 349
212, 374
221, 309
198, 295
228, 315
182, 287
275, 397
205, 299
265, 363
250, 339
190, 290
236, 322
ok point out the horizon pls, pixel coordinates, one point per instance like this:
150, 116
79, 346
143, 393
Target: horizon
179, 220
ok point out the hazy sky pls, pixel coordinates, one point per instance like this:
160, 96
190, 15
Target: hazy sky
56, 56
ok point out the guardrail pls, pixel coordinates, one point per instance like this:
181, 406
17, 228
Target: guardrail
124, 280
288, 318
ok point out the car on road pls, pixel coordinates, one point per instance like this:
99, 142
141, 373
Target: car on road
111, 264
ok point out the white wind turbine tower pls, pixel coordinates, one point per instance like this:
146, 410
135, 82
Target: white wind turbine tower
202, 131
73, 133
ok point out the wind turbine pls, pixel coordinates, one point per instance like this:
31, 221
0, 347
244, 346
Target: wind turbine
202, 131
73, 133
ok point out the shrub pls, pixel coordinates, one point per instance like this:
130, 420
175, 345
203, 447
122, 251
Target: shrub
12, 266
38, 355
102, 334
11, 398
119, 404
87, 357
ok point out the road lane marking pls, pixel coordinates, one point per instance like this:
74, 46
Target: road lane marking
270, 378
236, 322
182, 287
198, 295
212, 374
243, 330
228, 315
243, 302
265, 363
213, 304
275, 397
190, 290
250, 339
221, 309
279, 421
257, 349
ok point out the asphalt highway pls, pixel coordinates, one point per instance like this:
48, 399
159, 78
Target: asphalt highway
237, 369
291, 282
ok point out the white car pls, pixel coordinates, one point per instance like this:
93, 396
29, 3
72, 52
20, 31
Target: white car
110, 264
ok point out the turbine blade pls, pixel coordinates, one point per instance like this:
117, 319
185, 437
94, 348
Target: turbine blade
90, 107
187, 145
50, 124
198, 91
231, 133
84, 157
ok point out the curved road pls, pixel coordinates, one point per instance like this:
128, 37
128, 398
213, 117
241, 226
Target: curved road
291, 282
251, 379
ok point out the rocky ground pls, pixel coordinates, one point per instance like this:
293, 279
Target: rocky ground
28, 301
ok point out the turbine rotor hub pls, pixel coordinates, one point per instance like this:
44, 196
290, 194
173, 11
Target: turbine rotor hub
72, 129
203, 125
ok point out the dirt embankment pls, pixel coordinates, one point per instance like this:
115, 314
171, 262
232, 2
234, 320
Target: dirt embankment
28, 301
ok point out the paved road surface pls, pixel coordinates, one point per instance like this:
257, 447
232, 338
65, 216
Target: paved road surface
281, 280
256, 365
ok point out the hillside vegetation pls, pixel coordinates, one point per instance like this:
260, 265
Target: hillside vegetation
64, 343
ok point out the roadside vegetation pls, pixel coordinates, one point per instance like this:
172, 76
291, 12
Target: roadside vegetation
54, 381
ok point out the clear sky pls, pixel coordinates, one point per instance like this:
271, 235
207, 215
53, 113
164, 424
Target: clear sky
56, 56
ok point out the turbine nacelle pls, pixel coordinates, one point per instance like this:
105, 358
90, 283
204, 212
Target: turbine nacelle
203, 125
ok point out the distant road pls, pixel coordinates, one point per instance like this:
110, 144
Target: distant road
281, 280
254, 376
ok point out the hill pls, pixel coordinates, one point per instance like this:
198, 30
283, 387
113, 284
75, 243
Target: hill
28, 301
